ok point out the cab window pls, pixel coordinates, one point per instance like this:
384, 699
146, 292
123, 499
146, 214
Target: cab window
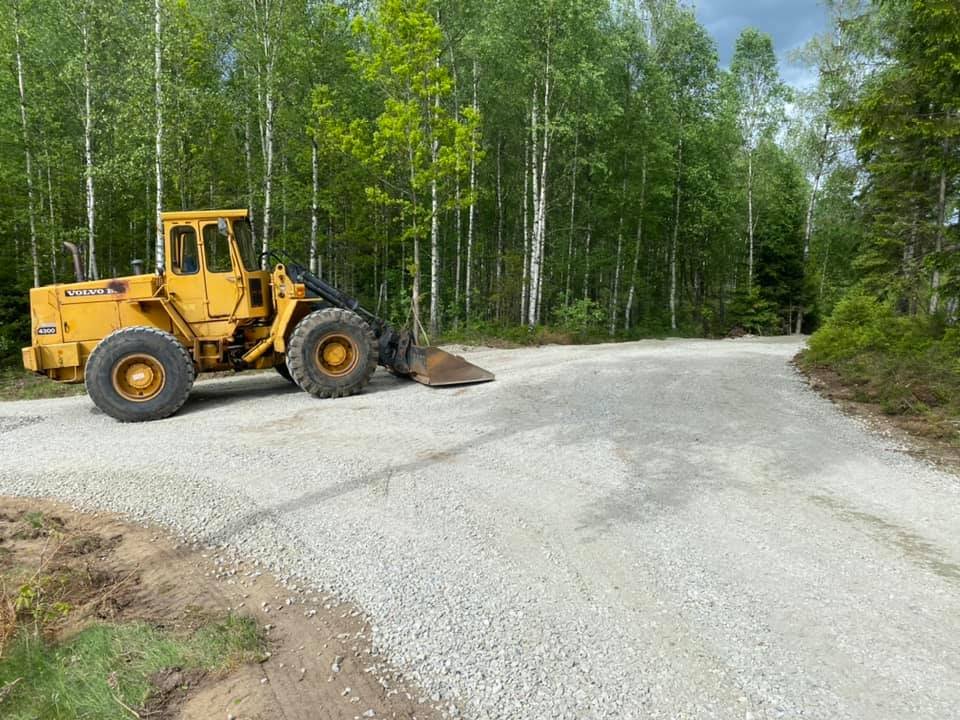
185, 259
216, 249
243, 232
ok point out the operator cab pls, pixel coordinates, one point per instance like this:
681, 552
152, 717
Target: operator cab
213, 271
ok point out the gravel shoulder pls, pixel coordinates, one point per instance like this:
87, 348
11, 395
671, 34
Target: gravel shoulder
654, 529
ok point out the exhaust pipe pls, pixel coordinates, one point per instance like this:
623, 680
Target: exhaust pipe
137, 266
77, 264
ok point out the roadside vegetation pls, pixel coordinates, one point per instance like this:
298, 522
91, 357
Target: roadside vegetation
893, 338
18, 384
67, 653
909, 366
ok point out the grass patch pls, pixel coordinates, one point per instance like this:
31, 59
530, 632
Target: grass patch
17, 384
106, 667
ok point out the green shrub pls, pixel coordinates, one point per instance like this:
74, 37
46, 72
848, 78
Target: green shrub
859, 323
909, 365
754, 313
581, 316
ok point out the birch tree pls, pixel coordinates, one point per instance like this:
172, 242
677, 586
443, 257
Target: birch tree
689, 60
414, 147
158, 104
762, 96
28, 157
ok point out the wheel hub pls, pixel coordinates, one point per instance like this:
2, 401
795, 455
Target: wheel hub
337, 355
138, 378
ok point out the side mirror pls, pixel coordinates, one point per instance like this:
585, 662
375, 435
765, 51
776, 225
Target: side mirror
222, 226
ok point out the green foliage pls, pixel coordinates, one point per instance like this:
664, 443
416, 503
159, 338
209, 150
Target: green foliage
649, 145
18, 384
14, 323
753, 312
580, 316
859, 323
84, 676
909, 365
33, 601
758, 86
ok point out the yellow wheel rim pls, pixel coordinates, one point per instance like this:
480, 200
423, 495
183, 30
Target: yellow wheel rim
138, 378
337, 355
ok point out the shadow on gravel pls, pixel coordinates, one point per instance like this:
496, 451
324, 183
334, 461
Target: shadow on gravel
211, 394
214, 394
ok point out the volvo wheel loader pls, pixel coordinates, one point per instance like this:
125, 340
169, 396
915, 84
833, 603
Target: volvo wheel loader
139, 341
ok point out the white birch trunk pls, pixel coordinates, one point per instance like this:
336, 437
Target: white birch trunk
284, 179
267, 169
586, 262
34, 255
534, 274
525, 286
435, 234
573, 215
458, 209
542, 205
675, 238
808, 234
415, 284
92, 272
248, 162
53, 225
458, 212
631, 294
749, 218
158, 102
472, 211
615, 294
941, 221
499, 260
314, 210
266, 75
812, 205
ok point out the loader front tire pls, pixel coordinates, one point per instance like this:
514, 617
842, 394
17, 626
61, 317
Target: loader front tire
139, 373
332, 353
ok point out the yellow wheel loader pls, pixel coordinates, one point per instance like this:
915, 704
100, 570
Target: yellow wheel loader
139, 341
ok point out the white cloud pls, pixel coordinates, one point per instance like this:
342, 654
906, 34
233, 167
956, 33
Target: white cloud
791, 23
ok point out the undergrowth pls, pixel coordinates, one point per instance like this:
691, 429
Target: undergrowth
104, 671
57, 662
18, 384
909, 365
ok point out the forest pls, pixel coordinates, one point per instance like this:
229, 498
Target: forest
498, 166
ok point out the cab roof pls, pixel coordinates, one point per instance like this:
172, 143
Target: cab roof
185, 215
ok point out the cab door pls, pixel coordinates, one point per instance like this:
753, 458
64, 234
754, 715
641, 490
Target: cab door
223, 277
185, 283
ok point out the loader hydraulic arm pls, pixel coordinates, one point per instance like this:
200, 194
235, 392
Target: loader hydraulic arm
398, 350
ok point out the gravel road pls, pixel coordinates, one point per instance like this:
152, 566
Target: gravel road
657, 529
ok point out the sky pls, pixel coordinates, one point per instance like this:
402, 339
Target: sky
790, 22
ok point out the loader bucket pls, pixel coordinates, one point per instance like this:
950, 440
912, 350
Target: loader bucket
433, 366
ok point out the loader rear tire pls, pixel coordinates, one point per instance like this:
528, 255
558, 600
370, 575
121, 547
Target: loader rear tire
332, 353
139, 373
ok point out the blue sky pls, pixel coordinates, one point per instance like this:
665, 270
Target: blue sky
790, 22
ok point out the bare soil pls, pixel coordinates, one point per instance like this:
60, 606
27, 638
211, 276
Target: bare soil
319, 664
921, 436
